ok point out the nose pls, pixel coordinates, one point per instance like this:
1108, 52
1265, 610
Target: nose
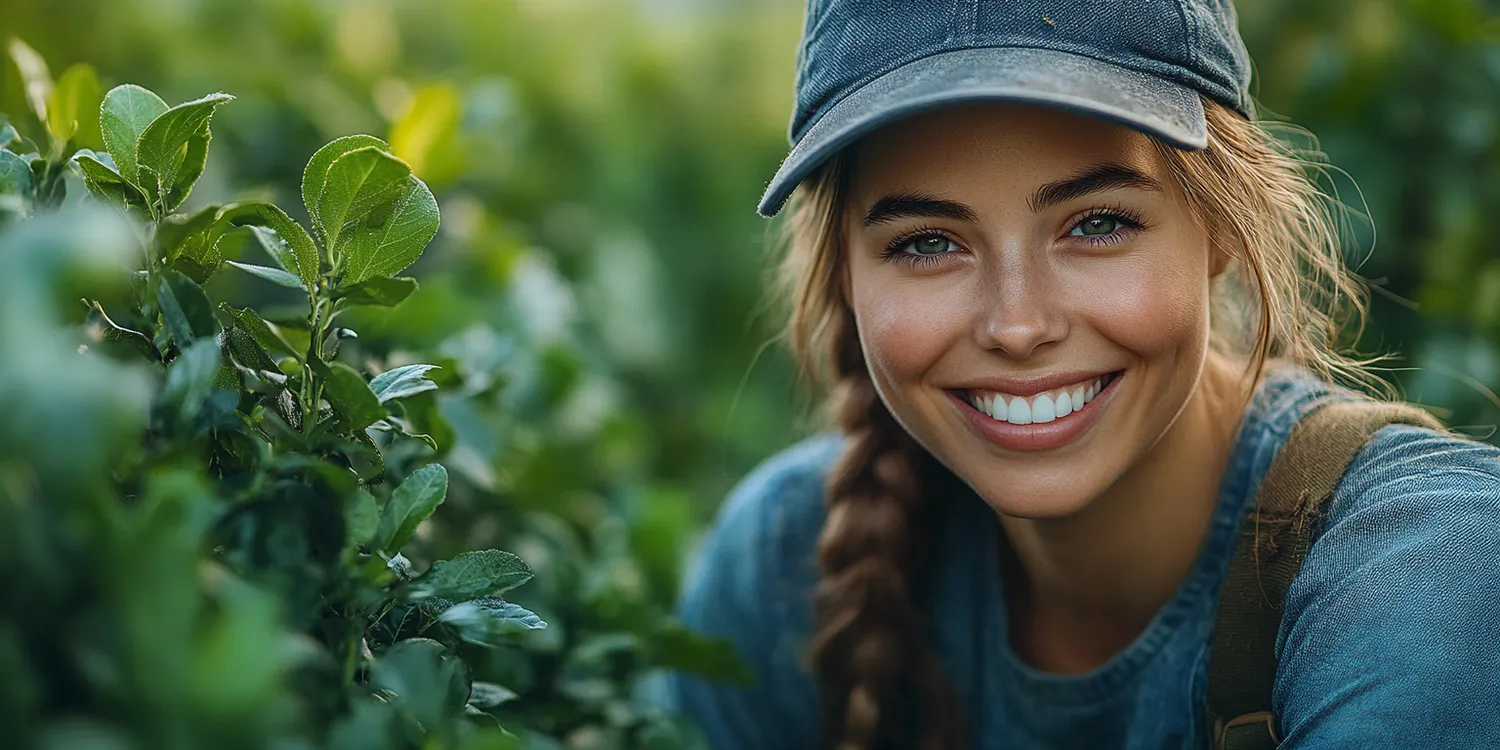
1022, 308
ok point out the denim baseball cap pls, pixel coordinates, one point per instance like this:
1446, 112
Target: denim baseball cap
1142, 63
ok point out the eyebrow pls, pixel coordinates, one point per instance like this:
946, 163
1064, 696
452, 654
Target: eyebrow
1097, 179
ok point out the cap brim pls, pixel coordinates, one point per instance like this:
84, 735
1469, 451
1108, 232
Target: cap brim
1168, 110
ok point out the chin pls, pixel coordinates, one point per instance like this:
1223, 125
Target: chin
1042, 500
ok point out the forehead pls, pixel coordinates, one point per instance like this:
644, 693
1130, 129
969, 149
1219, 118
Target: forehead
996, 148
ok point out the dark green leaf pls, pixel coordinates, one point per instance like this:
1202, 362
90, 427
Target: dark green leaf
402, 382
358, 183
269, 216
192, 235
384, 291
490, 621
186, 309
247, 351
422, 678
411, 504
351, 396
105, 329
164, 151
264, 333
126, 112
106, 184
73, 109
315, 176
15, 175
190, 378
273, 275
675, 647
473, 574
361, 518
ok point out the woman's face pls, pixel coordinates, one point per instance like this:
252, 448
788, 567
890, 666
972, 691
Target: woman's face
1032, 295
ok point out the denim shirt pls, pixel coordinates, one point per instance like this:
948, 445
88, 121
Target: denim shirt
1390, 636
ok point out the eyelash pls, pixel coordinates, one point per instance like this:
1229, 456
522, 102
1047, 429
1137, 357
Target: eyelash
1129, 220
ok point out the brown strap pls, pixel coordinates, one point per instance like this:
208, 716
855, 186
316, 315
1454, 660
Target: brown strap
1273, 540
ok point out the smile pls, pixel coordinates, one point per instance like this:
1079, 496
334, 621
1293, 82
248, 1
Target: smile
1039, 408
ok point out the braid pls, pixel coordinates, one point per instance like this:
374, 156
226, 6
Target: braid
881, 684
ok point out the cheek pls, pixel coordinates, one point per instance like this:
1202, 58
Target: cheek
1152, 306
904, 328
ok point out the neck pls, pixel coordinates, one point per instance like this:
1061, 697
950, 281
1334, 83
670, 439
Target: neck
1081, 588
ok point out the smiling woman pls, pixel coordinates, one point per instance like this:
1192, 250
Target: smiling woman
1079, 313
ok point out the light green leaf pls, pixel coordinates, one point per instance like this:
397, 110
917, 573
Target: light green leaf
7, 132
172, 150
390, 236
15, 175
303, 251
402, 382
411, 504
73, 109
34, 75
106, 184
186, 309
489, 694
351, 396
190, 234
473, 574
315, 176
358, 183
264, 333
490, 621
273, 275
276, 248
426, 129
126, 112
384, 291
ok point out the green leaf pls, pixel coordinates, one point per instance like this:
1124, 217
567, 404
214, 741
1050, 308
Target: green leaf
190, 378
264, 333
423, 678
411, 504
15, 175
315, 176
126, 112
402, 382
276, 248
361, 518
490, 621
473, 574
102, 328
186, 309
247, 351
351, 396
273, 275
425, 131
73, 109
34, 74
106, 184
173, 149
489, 695
675, 647
7, 132
390, 237
357, 183
384, 291
303, 252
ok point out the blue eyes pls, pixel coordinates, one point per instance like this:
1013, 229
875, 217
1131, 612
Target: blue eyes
928, 245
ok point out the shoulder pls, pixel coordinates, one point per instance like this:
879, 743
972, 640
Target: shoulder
751, 584
1390, 627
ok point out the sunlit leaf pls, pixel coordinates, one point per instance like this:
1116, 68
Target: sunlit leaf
126, 112
315, 176
273, 275
267, 215
402, 382
172, 150
73, 108
34, 76
425, 131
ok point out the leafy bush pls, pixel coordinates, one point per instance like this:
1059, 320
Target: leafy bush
196, 505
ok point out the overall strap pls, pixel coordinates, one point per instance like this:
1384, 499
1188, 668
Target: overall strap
1274, 538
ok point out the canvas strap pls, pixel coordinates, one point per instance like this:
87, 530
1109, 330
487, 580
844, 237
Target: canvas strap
1273, 540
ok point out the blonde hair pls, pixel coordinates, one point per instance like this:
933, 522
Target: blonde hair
1287, 297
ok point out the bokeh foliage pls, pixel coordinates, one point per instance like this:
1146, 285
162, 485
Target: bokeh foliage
596, 297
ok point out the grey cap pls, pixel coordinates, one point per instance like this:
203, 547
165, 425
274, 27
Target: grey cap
1142, 63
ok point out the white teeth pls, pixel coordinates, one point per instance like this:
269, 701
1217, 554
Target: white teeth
1020, 412
1043, 410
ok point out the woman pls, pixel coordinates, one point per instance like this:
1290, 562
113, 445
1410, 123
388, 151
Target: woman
1071, 302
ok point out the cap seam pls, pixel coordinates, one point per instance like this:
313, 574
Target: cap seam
1189, 33
813, 118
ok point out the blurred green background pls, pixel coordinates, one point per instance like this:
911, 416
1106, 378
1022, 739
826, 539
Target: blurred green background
598, 163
